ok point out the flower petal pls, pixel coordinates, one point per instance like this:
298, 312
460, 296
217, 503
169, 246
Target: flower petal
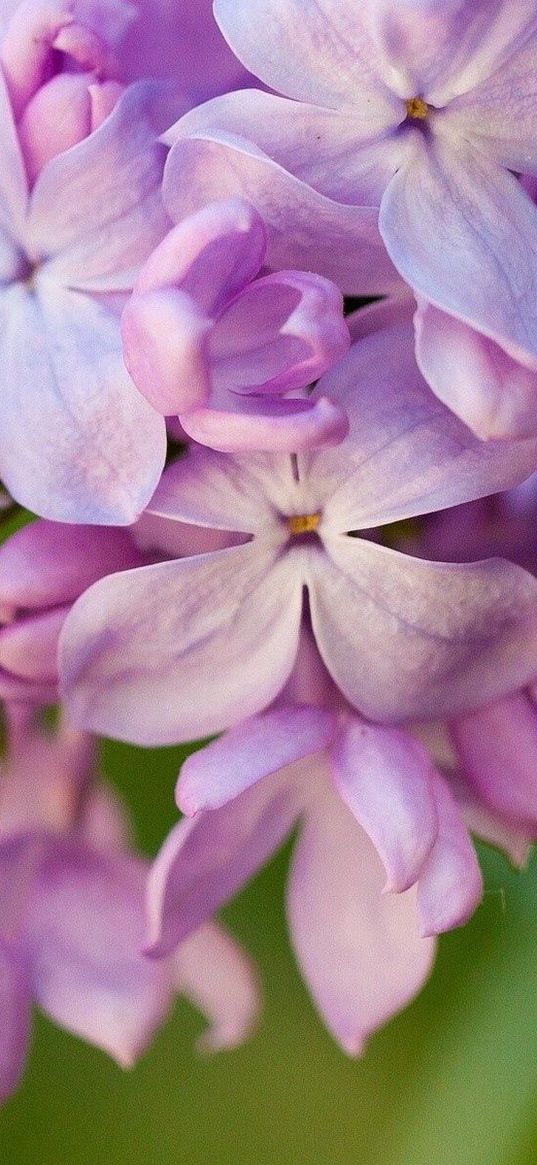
273, 425
182, 649
358, 949
490, 391
14, 1020
204, 862
483, 268
13, 181
408, 639
219, 978
86, 934
497, 747
384, 778
249, 751
77, 441
450, 886
405, 454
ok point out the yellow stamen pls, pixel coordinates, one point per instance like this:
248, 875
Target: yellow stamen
417, 108
304, 523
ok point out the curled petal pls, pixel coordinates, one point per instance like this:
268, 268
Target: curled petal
450, 886
219, 978
276, 426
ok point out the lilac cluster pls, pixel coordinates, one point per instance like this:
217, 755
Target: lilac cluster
305, 534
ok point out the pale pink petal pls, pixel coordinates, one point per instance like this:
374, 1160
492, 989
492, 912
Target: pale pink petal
358, 949
13, 181
14, 1020
306, 229
269, 424
384, 777
204, 862
406, 454
48, 563
483, 267
249, 751
86, 935
165, 349
497, 747
408, 639
450, 886
29, 649
493, 393
96, 209
77, 443
515, 841
183, 649
221, 980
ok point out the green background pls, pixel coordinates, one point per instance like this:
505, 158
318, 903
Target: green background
452, 1081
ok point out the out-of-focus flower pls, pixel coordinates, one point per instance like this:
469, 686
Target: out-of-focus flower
72, 917
183, 649
422, 108
80, 209
207, 340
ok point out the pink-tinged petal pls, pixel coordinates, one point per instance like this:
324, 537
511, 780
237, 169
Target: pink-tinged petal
332, 61
146, 654
77, 443
407, 639
442, 49
164, 346
86, 935
358, 949
384, 778
98, 242
483, 267
450, 886
226, 493
221, 980
249, 751
281, 333
14, 1020
13, 182
211, 255
498, 115
269, 424
490, 391
29, 649
166, 538
405, 454
515, 841
306, 229
61, 114
204, 862
106, 824
48, 563
348, 155
497, 747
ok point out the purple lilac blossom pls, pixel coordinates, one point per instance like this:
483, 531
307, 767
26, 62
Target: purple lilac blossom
226, 351
182, 649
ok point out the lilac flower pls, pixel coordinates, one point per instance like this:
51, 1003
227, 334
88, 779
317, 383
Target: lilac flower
80, 208
418, 109
203, 338
183, 649
72, 918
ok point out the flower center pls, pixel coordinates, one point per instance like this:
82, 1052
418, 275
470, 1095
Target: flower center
417, 108
303, 523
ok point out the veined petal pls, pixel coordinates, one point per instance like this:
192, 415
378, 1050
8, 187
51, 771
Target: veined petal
204, 862
407, 639
96, 210
249, 751
183, 649
483, 267
306, 230
497, 747
384, 777
86, 935
359, 949
14, 1019
333, 61
77, 442
450, 886
405, 454
219, 978
490, 391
